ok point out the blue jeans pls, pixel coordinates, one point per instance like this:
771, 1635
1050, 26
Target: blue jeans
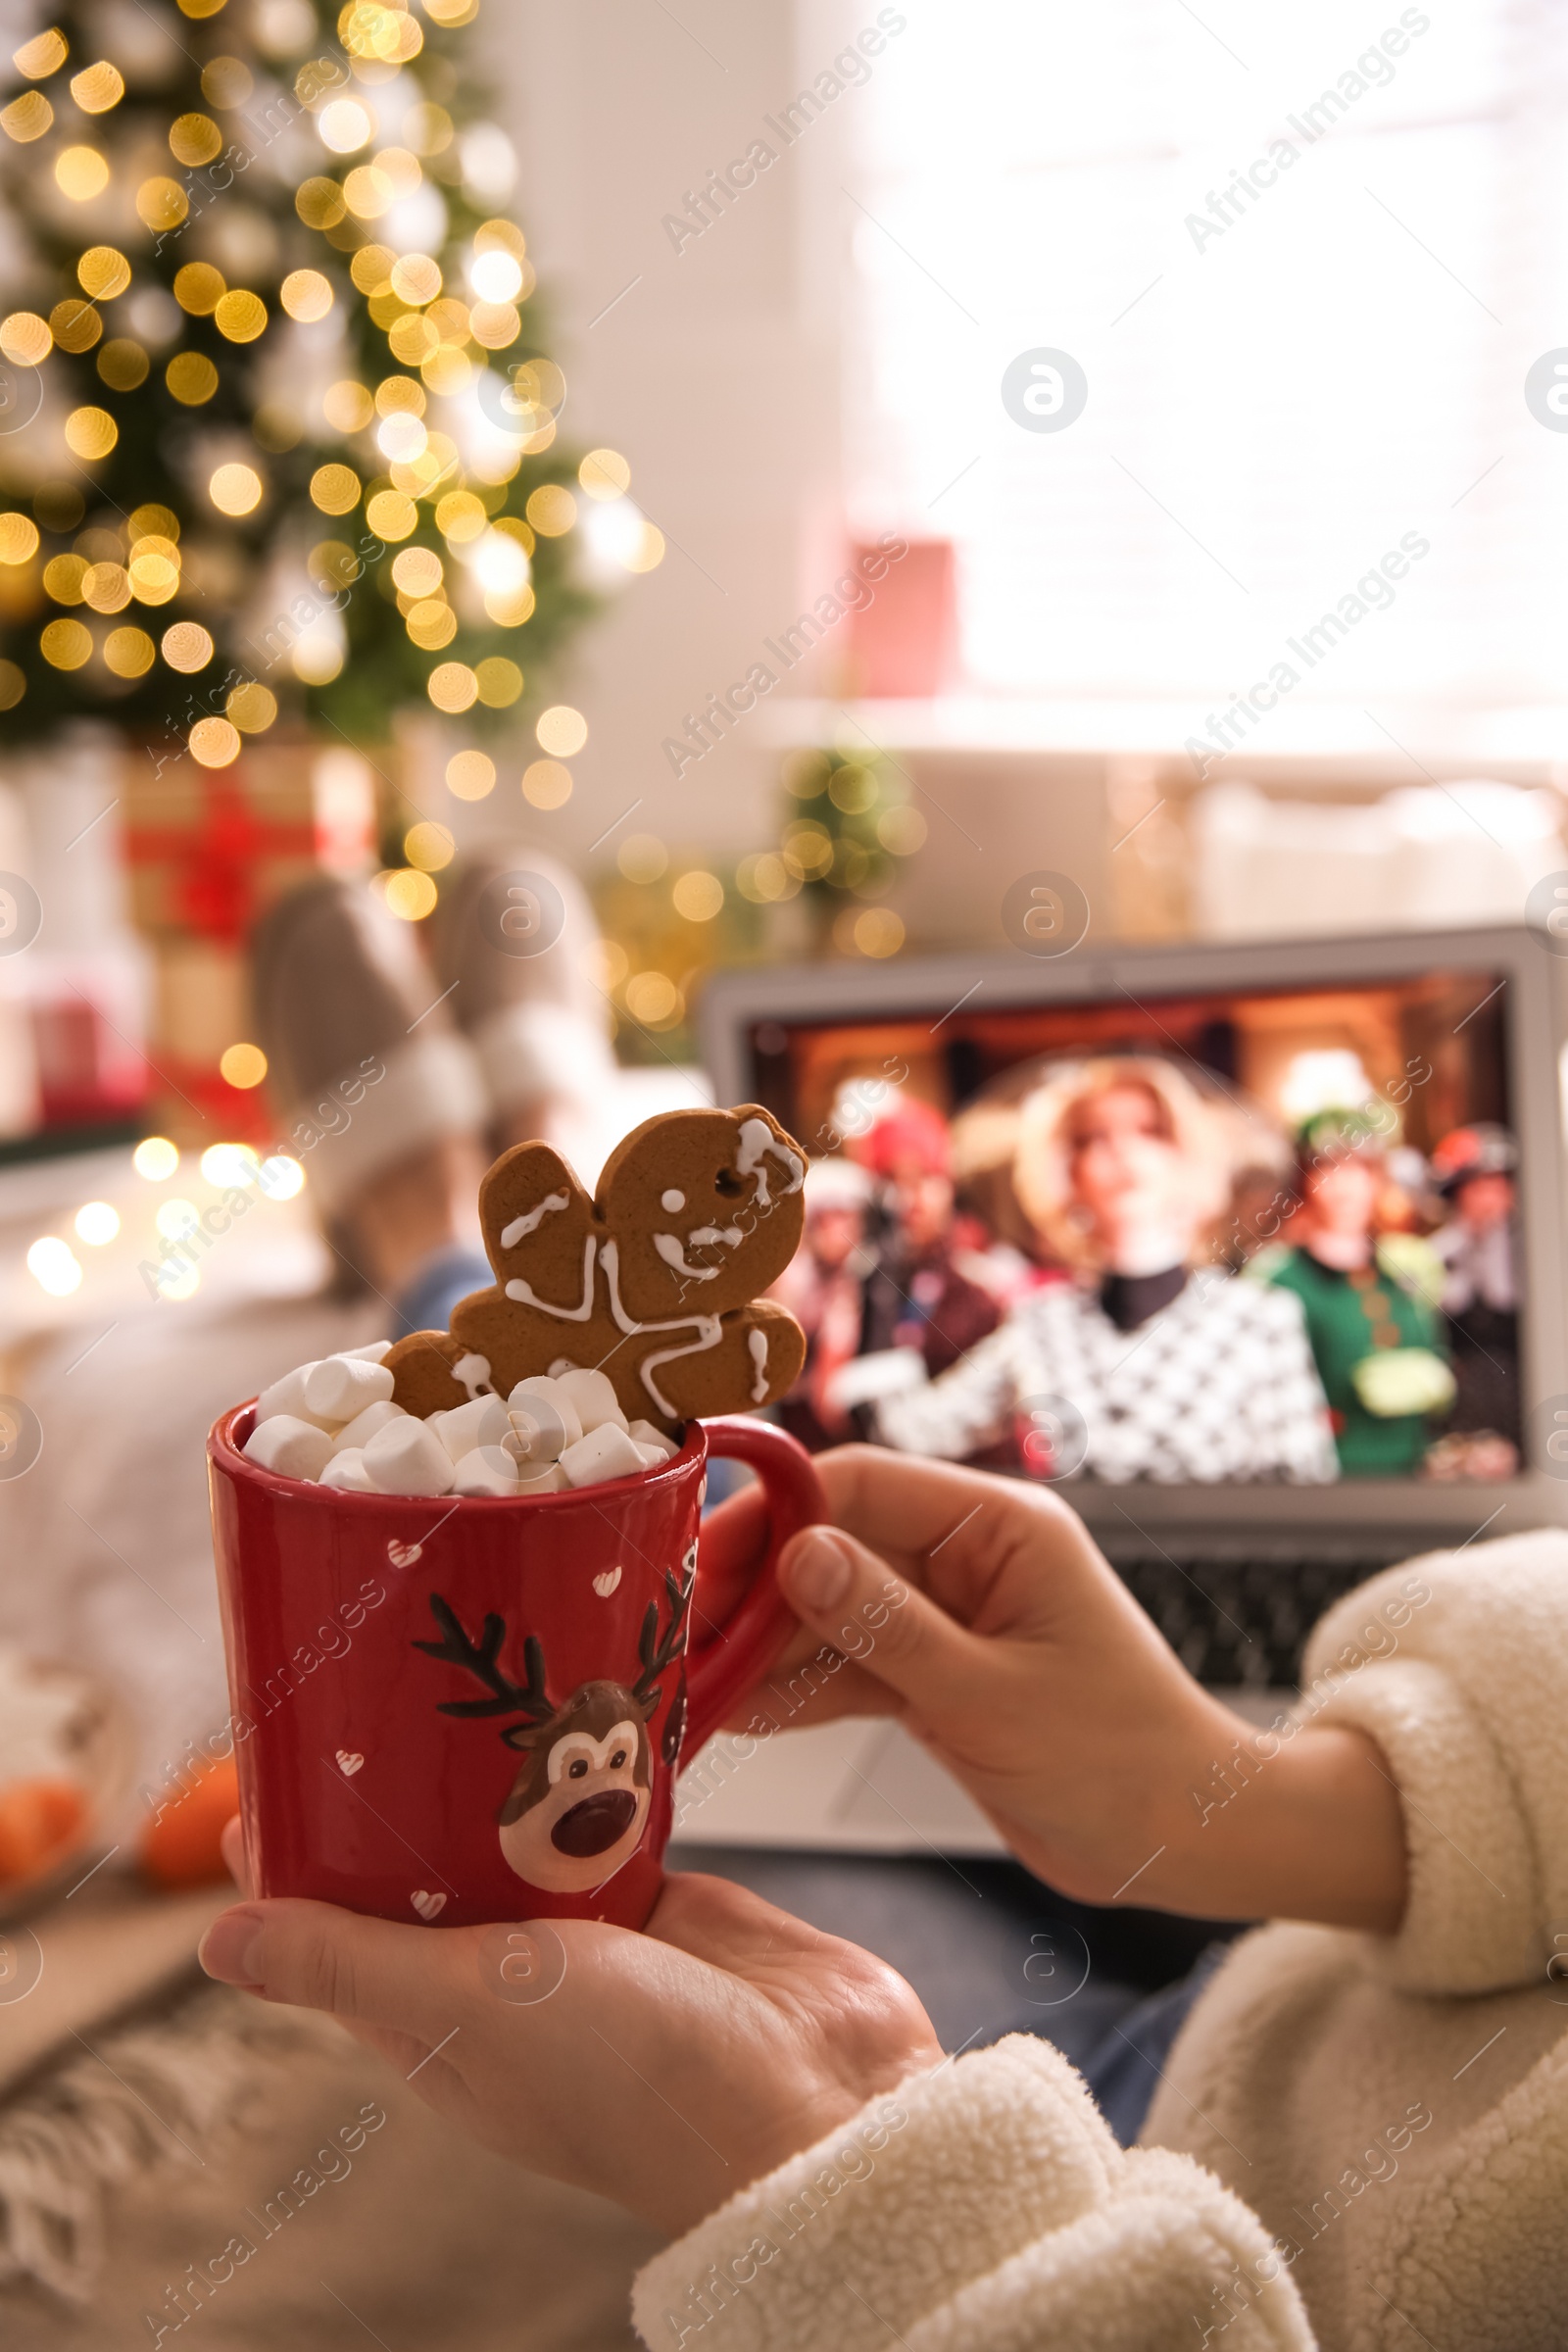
1123, 2071
428, 1303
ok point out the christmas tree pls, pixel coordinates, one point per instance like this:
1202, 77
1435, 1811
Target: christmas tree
279, 439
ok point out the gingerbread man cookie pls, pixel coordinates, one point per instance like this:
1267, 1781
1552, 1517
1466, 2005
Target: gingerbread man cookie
655, 1282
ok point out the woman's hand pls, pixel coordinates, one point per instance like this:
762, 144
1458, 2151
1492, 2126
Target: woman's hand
666, 2070
980, 1611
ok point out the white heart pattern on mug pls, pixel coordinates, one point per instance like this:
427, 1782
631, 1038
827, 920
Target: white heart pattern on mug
349, 1762
428, 1906
403, 1555
604, 1585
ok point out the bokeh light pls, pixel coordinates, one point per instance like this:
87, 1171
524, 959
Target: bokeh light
97, 1222
698, 896
155, 1158
409, 894
562, 731
227, 1166
53, 1266
235, 489
546, 784
243, 1065
470, 775
429, 846
214, 743
187, 646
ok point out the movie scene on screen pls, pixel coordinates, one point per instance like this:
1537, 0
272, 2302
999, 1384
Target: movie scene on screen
1220, 1238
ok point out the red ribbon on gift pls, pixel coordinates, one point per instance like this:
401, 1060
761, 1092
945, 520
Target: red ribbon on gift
215, 879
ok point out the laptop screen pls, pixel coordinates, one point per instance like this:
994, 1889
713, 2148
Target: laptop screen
1214, 1237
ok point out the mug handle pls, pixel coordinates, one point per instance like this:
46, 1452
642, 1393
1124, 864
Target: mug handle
739, 1652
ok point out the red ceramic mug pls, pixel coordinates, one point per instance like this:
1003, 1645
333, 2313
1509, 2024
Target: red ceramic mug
469, 1711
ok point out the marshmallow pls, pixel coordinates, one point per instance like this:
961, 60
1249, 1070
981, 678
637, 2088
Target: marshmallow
604, 1453
375, 1352
537, 1433
294, 1448
485, 1470
354, 1434
347, 1474
286, 1395
594, 1396
550, 1479
341, 1386
404, 1458
537, 1384
652, 1457
481, 1422
643, 1433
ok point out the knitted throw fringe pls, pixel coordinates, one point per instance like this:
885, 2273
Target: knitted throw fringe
148, 2094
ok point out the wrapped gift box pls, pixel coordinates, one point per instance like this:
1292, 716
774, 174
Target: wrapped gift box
209, 849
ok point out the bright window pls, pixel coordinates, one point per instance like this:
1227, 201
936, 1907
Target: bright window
1277, 399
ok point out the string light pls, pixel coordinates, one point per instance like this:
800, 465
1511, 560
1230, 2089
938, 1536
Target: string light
453, 687
546, 784
191, 378
562, 731
129, 652
240, 316
194, 140
97, 88
90, 433
500, 682
235, 489
243, 1065
42, 56
27, 117
80, 173
102, 273
305, 295
187, 647
214, 742
25, 339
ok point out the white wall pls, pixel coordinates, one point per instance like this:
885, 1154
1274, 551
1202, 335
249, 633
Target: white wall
715, 374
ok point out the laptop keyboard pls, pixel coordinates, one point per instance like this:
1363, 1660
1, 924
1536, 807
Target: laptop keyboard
1242, 1619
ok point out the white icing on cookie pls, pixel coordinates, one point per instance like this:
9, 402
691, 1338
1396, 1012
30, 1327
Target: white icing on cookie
756, 1342
671, 1249
523, 1293
534, 1218
757, 1139
672, 1202
708, 1330
474, 1373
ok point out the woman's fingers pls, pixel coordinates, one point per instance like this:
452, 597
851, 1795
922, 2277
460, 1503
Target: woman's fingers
231, 1844
314, 1956
961, 1535
714, 1919
851, 1599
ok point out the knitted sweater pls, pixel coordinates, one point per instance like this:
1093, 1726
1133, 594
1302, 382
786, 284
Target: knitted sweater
1359, 2142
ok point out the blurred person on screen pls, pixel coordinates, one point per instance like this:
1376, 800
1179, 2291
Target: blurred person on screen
1474, 1171
824, 1289
920, 1293
1176, 1371
1369, 1295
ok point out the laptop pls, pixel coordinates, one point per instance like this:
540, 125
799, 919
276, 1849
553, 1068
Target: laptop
1368, 1140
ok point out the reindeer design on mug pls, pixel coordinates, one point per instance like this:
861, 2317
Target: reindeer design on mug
578, 1810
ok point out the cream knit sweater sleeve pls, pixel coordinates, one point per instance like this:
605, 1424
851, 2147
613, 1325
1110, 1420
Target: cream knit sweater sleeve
1453, 1665
981, 2208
